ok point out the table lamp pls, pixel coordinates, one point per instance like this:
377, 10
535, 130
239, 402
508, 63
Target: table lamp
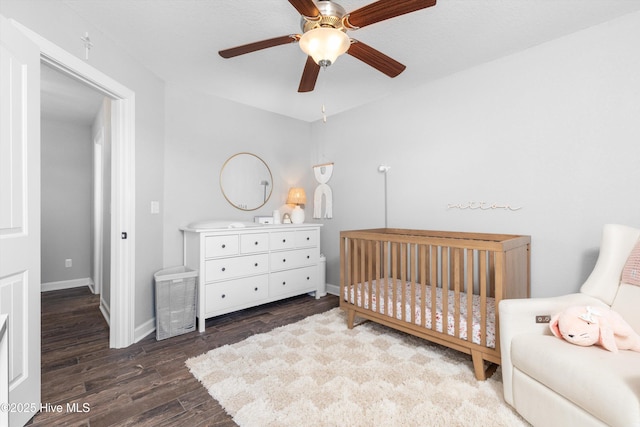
297, 197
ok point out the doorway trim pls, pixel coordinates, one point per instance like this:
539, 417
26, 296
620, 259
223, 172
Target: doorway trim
98, 207
122, 301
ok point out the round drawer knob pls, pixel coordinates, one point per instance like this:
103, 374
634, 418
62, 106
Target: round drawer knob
223, 268
224, 246
255, 289
255, 243
308, 257
284, 283
284, 240
308, 238
224, 296
255, 265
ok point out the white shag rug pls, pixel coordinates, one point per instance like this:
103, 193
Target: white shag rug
317, 372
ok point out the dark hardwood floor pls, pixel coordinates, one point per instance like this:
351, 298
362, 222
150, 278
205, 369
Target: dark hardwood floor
146, 384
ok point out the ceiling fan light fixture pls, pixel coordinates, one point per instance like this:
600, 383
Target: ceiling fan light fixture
324, 44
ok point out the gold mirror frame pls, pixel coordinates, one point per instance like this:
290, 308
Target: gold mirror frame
246, 181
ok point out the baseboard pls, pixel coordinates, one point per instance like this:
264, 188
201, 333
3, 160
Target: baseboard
66, 284
144, 330
333, 289
106, 312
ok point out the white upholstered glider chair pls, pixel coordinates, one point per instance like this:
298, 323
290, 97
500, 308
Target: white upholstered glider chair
551, 382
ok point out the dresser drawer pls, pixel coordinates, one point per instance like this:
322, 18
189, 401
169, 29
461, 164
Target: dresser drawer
293, 259
282, 240
307, 238
223, 296
291, 281
252, 243
216, 246
231, 268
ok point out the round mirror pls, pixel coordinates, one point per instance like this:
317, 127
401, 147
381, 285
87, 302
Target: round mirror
246, 181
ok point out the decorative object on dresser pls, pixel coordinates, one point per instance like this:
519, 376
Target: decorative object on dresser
251, 264
297, 197
441, 286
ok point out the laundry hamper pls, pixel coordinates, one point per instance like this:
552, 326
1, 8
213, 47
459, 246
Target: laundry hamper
175, 301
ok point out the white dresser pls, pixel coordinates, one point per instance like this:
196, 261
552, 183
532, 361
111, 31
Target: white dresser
245, 267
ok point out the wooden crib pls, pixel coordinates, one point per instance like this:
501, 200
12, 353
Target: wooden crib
441, 286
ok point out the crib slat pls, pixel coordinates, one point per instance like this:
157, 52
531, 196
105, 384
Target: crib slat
456, 291
413, 258
368, 260
483, 297
444, 259
423, 285
403, 281
434, 284
394, 277
470, 275
378, 278
492, 275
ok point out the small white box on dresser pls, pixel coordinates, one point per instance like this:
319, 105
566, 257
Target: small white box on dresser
243, 267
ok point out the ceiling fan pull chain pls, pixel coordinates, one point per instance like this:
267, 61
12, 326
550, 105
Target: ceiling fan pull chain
323, 93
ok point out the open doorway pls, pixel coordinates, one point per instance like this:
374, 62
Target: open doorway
76, 193
122, 233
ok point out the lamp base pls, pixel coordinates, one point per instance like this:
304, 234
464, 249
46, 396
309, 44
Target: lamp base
297, 215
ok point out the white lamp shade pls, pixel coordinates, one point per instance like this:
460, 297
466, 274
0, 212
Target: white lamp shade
324, 44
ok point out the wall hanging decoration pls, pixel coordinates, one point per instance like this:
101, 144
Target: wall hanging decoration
323, 174
482, 206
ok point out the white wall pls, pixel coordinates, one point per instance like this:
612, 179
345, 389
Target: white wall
202, 133
59, 24
66, 165
553, 129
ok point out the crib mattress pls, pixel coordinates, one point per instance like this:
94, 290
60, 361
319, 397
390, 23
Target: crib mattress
359, 296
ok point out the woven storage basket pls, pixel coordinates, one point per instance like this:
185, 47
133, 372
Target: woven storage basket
175, 301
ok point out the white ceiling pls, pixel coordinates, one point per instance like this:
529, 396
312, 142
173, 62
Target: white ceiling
179, 39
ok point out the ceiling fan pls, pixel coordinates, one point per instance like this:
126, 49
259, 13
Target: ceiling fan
324, 25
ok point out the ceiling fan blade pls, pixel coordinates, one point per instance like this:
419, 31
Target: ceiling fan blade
263, 44
384, 9
375, 58
309, 76
306, 8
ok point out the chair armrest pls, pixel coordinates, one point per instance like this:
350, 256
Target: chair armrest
518, 316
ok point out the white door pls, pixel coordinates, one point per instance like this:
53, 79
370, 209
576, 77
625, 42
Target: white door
20, 216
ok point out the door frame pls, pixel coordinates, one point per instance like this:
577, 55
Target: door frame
98, 209
122, 301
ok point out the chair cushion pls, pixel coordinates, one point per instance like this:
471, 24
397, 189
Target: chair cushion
604, 384
626, 303
631, 270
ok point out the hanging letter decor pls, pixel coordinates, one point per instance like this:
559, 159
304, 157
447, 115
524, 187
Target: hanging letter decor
323, 174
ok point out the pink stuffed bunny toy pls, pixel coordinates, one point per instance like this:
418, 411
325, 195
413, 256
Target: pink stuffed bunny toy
585, 326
